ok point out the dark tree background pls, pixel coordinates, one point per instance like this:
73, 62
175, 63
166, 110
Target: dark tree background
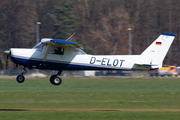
100, 25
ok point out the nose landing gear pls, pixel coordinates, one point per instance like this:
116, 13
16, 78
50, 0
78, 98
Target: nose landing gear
21, 78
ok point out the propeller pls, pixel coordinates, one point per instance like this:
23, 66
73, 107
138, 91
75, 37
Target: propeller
7, 53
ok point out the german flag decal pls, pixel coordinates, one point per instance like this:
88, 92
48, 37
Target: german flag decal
158, 43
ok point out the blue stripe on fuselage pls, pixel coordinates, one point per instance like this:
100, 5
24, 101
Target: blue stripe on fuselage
87, 67
30, 63
18, 60
52, 65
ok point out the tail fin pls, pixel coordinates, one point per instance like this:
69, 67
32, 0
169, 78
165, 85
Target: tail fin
156, 52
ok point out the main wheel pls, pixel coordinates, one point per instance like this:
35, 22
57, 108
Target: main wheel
51, 79
55, 80
20, 78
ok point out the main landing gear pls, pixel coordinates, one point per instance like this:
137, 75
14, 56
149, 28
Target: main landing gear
54, 79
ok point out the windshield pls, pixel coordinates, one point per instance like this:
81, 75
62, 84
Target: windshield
38, 46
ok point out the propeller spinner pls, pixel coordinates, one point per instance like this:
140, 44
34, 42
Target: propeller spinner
7, 52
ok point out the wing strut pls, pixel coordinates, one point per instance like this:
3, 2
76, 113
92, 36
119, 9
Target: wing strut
45, 56
47, 51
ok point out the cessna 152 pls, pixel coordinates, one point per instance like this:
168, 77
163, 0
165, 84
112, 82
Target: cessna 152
53, 54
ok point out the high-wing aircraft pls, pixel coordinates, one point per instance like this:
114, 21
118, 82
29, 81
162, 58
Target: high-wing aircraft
53, 54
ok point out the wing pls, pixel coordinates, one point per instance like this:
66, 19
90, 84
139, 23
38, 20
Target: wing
58, 43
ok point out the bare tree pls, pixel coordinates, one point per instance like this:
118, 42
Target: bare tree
111, 33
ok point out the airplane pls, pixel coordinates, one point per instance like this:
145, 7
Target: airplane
59, 55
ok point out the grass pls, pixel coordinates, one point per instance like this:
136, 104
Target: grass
96, 98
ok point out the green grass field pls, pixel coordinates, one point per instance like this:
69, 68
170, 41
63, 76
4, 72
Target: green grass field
86, 98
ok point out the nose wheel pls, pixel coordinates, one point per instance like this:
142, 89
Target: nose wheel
21, 78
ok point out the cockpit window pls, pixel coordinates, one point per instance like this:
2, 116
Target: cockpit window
59, 50
38, 46
56, 50
78, 51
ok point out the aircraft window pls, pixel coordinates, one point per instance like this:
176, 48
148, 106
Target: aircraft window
78, 51
38, 46
59, 51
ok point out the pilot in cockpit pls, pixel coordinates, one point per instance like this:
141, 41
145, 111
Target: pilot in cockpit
59, 50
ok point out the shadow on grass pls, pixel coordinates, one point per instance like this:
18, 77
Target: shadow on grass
13, 110
107, 110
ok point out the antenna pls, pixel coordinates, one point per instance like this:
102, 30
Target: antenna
69, 38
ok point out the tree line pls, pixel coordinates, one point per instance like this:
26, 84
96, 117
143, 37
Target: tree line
100, 26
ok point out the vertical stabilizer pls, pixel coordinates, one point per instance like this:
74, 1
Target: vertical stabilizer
157, 51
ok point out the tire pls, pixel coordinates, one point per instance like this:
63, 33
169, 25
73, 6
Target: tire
55, 80
51, 79
20, 78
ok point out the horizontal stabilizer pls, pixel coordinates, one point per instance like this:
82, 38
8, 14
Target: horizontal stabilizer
150, 66
146, 64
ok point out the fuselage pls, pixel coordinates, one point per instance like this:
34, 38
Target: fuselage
73, 59
54, 54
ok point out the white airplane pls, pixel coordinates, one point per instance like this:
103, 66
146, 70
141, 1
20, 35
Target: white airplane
53, 54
